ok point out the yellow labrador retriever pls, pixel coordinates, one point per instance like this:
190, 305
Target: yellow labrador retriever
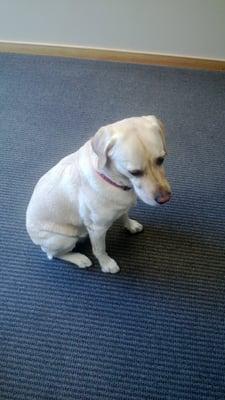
91, 188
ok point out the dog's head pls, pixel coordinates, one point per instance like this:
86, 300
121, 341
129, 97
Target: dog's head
136, 149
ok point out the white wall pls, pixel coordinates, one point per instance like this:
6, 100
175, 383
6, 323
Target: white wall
180, 27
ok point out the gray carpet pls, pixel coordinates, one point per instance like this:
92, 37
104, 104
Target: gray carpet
157, 329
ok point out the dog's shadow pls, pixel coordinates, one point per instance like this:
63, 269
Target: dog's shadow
164, 255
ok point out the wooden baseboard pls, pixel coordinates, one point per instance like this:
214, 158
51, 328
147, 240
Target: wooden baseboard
113, 55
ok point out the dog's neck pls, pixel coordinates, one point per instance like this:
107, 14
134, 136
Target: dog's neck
112, 175
113, 183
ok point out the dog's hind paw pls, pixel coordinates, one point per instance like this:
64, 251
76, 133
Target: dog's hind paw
78, 259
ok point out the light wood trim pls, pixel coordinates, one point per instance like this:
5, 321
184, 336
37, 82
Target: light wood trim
113, 55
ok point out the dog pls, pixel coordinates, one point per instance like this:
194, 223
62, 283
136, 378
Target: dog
90, 189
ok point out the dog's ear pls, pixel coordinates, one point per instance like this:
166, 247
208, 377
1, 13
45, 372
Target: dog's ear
162, 133
102, 143
161, 128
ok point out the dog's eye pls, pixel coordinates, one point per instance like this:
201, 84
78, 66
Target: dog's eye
137, 173
159, 161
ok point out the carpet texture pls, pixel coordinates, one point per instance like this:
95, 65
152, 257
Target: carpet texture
157, 329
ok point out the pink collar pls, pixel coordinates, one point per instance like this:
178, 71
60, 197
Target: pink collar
107, 179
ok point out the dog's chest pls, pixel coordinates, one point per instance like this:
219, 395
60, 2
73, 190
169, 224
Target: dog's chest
104, 210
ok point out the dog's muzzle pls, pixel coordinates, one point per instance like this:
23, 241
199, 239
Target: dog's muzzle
163, 197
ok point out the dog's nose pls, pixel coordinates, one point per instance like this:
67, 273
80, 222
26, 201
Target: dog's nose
163, 197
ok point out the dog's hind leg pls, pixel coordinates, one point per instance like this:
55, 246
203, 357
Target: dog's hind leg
61, 246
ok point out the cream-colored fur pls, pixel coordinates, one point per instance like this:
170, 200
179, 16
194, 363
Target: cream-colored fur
72, 200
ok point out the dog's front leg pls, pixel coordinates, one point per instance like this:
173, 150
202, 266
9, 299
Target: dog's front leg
131, 225
97, 237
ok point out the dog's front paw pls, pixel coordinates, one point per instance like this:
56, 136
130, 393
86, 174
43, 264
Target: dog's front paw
110, 266
133, 226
